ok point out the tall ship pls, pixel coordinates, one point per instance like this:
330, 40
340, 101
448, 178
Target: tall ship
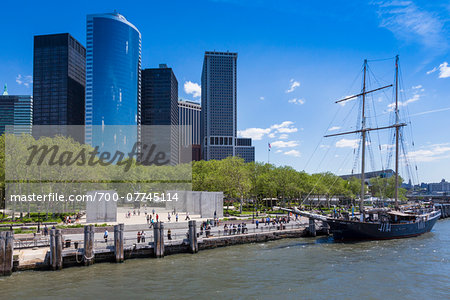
378, 223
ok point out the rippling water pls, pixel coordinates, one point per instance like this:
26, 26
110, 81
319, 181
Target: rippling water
295, 268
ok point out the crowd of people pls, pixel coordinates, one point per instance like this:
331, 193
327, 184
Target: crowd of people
235, 229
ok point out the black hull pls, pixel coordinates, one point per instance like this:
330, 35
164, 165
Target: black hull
351, 230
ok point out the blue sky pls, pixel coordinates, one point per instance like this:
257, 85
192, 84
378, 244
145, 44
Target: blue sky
295, 59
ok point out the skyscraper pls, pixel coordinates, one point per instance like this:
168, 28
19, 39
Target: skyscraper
219, 106
59, 74
160, 106
189, 115
16, 110
113, 79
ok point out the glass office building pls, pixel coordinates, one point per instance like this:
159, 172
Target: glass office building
113, 78
219, 107
16, 113
160, 107
59, 76
189, 117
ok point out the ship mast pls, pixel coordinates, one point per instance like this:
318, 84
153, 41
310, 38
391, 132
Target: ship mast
364, 130
397, 130
363, 134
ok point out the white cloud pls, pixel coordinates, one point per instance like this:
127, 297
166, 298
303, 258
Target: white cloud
346, 143
292, 85
278, 151
254, 133
283, 144
432, 70
192, 88
324, 146
334, 128
287, 130
417, 87
414, 98
284, 136
261, 98
444, 70
283, 129
292, 153
26, 80
409, 22
297, 101
431, 153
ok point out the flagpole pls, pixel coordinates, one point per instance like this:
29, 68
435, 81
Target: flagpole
268, 153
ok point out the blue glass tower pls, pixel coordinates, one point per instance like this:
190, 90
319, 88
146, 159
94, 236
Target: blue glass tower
113, 79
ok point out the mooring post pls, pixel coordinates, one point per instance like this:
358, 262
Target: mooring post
193, 244
118, 243
88, 245
158, 244
52, 249
9, 249
2, 252
312, 227
58, 248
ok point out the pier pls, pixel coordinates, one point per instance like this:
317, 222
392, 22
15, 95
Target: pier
123, 247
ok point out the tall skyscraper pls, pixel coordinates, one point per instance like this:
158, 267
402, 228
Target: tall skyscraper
219, 106
160, 106
189, 115
59, 74
16, 110
113, 80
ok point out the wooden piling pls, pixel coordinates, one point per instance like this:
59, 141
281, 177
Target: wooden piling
158, 244
9, 249
52, 261
312, 227
118, 243
88, 245
193, 244
58, 248
2, 252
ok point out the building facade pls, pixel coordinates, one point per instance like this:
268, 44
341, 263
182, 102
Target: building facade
113, 79
245, 149
189, 115
440, 187
59, 76
219, 105
16, 110
160, 107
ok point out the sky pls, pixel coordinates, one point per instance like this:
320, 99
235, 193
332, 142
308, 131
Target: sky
295, 59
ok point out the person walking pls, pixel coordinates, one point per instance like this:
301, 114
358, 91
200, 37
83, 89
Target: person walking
176, 217
143, 236
157, 218
105, 236
168, 216
138, 237
148, 219
257, 223
187, 216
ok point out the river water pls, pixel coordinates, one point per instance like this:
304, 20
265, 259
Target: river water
303, 268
